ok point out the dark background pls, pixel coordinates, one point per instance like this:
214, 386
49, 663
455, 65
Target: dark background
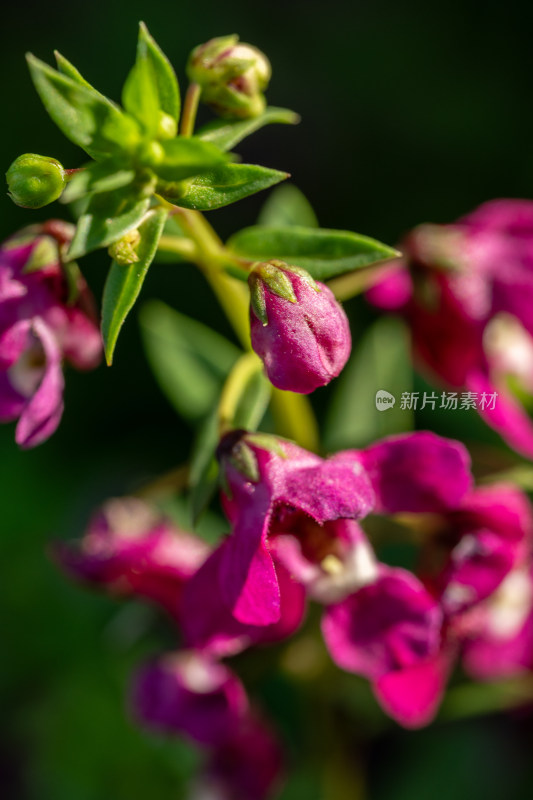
411, 112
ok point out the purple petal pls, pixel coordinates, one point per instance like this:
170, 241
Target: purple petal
42, 414
191, 694
507, 417
386, 626
249, 583
393, 290
417, 472
412, 696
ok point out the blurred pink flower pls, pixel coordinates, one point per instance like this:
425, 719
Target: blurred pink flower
466, 290
39, 328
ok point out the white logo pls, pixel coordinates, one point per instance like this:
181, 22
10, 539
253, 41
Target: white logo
384, 400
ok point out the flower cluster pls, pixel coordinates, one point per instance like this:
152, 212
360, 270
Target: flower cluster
297, 535
466, 289
46, 317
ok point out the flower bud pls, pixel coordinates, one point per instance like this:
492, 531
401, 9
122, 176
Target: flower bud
35, 181
297, 327
232, 76
124, 250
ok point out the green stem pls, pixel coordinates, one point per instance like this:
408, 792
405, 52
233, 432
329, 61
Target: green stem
358, 281
190, 109
247, 365
295, 418
179, 246
293, 412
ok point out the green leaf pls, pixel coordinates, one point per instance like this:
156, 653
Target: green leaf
165, 78
185, 157
95, 178
227, 134
66, 68
85, 116
107, 218
189, 360
227, 184
124, 283
323, 253
285, 206
140, 96
382, 361
203, 474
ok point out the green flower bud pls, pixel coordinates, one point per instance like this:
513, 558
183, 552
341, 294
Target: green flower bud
124, 250
167, 127
232, 76
35, 181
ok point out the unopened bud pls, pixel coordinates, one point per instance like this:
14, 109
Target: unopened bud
35, 181
297, 327
232, 76
124, 251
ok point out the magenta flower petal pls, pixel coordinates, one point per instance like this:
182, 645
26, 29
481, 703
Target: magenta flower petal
384, 627
508, 417
208, 623
190, 694
128, 550
11, 402
42, 414
417, 472
495, 527
248, 765
412, 696
393, 290
249, 584
303, 341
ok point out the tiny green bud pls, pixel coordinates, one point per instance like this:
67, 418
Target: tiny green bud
173, 190
150, 154
167, 127
232, 76
124, 250
35, 181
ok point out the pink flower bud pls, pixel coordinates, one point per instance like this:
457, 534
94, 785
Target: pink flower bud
298, 329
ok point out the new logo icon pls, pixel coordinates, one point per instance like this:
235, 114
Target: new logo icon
384, 400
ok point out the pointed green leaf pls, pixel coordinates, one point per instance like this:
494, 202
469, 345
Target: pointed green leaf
140, 95
167, 83
382, 361
227, 134
66, 68
323, 253
185, 157
85, 116
107, 218
95, 178
124, 283
189, 360
227, 184
285, 206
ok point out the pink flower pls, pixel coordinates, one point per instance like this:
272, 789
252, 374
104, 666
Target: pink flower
192, 694
189, 694
275, 487
466, 290
389, 625
39, 328
298, 329
131, 551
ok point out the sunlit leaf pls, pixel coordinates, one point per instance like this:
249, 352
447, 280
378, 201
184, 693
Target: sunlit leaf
323, 253
124, 282
226, 134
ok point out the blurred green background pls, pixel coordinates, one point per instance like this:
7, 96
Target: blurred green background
411, 112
